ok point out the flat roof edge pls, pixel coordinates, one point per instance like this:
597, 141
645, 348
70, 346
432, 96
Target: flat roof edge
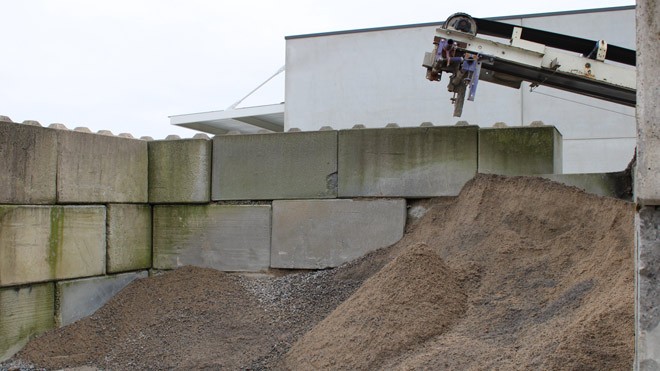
428, 24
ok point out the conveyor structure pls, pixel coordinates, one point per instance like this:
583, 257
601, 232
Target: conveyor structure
472, 49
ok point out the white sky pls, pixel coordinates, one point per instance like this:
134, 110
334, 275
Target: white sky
126, 65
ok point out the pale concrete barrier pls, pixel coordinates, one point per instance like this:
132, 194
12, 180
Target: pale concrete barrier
80, 298
406, 162
29, 164
25, 312
180, 171
618, 185
520, 150
128, 237
223, 237
43, 243
314, 234
275, 166
93, 168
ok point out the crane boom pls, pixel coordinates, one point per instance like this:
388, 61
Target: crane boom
542, 58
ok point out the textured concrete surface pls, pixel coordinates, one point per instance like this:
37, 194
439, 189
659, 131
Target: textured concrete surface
128, 237
275, 166
93, 168
224, 237
648, 288
616, 185
25, 312
29, 164
520, 150
406, 162
81, 298
43, 243
180, 171
313, 234
647, 183
647, 187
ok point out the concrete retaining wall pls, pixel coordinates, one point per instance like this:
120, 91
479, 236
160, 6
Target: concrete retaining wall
82, 215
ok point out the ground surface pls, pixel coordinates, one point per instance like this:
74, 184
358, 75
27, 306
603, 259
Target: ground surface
515, 273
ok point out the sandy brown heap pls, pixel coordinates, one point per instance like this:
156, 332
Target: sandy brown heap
515, 273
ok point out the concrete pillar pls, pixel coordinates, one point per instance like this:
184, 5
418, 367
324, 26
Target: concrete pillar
647, 188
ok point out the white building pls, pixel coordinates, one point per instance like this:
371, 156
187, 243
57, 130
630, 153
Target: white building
374, 77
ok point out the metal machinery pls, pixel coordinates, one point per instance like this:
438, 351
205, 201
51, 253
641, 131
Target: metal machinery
581, 66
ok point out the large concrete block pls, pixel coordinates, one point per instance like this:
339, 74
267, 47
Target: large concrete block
25, 312
314, 234
648, 288
81, 298
275, 166
520, 150
129, 237
29, 164
93, 168
406, 162
618, 185
647, 183
180, 171
224, 237
43, 243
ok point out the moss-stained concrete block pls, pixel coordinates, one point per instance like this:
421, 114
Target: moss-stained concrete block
128, 237
25, 312
224, 237
180, 171
29, 163
520, 150
406, 162
43, 243
315, 234
93, 168
81, 298
275, 166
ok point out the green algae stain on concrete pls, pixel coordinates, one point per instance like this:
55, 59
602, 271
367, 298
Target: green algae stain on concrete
24, 313
55, 239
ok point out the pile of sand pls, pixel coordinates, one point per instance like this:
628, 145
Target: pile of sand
515, 273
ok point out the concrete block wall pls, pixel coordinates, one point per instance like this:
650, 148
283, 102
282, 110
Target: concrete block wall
115, 207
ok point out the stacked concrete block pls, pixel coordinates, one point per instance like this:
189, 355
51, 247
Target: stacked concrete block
406, 162
94, 168
29, 163
80, 298
25, 312
275, 166
647, 188
617, 185
520, 150
224, 237
180, 171
44, 243
128, 237
315, 234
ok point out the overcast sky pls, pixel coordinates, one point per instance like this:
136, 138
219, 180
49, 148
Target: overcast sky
126, 65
